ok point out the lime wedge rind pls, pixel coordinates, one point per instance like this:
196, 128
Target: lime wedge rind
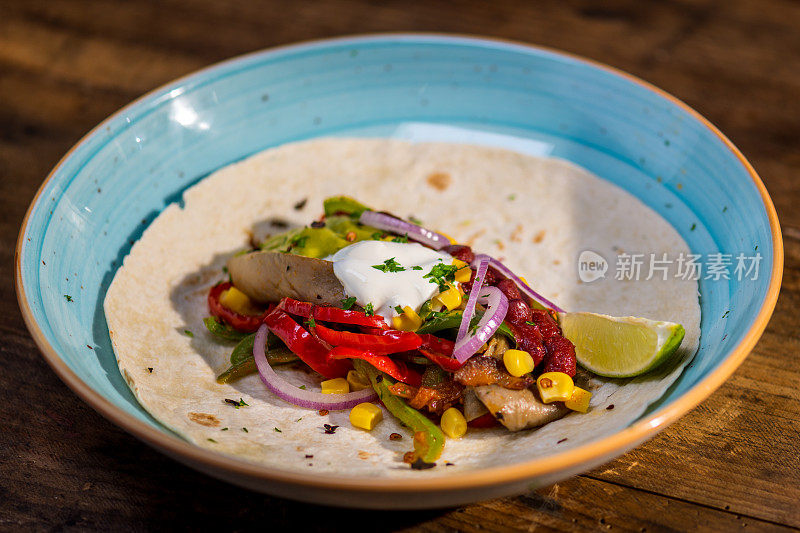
621, 347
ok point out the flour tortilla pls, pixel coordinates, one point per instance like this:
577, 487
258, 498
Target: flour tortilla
537, 214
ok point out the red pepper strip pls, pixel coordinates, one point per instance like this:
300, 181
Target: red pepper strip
484, 421
326, 313
239, 322
439, 350
446, 363
390, 341
304, 345
436, 344
397, 369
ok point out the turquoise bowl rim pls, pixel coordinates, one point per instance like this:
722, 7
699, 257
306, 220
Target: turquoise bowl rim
566, 461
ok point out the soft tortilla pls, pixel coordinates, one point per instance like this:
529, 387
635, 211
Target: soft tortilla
538, 214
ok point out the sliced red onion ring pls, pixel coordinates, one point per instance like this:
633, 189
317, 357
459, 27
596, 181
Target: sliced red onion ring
530, 293
299, 397
496, 308
437, 241
481, 263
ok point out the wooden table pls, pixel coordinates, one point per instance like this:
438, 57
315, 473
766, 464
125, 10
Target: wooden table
65, 65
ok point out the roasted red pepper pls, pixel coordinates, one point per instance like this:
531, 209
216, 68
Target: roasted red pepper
486, 420
439, 351
397, 369
331, 314
444, 362
244, 323
304, 345
390, 341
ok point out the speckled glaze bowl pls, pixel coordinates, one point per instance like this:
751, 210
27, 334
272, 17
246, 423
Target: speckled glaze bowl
106, 190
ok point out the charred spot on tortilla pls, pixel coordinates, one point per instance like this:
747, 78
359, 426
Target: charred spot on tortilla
204, 419
301, 204
440, 180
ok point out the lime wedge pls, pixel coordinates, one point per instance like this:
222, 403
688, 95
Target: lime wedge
620, 347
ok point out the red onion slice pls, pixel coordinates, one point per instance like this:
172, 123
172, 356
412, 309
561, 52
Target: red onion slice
530, 293
437, 241
299, 397
481, 263
496, 308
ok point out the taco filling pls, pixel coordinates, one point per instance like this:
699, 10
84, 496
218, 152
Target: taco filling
446, 338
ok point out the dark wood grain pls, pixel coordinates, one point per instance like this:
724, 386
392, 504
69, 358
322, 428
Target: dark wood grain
732, 463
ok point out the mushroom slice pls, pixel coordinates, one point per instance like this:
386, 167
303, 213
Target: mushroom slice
270, 276
518, 409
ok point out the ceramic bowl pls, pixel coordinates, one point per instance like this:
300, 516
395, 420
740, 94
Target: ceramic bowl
110, 186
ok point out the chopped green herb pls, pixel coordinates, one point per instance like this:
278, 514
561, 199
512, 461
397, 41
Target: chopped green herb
369, 310
236, 404
415, 220
724, 208
726, 314
212, 440
299, 419
224, 429
311, 322
68, 297
245, 430
441, 274
417, 267
188, 333
347, 303
277, 430
512, 197
390, 265
376, 236
398, 309
302, 387
402, 239
693, 227
224, 269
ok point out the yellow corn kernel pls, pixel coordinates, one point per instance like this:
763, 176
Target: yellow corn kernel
579, 401
451, 298
555, 387
365, 415
335, 386
518, 362
237, 301
453, 423
408, 321
356, 382
464, 272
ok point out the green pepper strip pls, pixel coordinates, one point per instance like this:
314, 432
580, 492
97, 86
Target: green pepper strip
453, 319
428, 446
243, 364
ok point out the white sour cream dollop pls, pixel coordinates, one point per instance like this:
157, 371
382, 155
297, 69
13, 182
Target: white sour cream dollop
353, 266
